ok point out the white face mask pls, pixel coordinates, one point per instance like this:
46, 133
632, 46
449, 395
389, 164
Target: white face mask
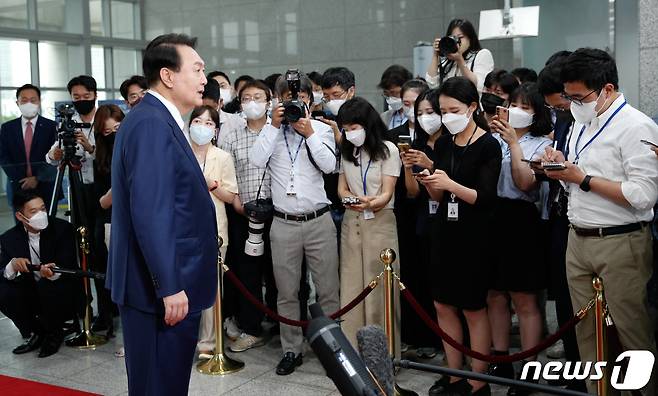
586, 112
201, 134
357, 137
226, 94
409, 113
394, 103
334, 105
456, 122
39, 221
431, 123
28, 110
317, 97
254, 110
518, 118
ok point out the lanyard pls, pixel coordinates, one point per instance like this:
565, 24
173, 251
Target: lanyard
582, 130
365, 176
453, 170
35, 251
292, 159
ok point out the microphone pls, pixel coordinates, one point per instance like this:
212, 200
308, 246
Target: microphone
338, 357
373, 348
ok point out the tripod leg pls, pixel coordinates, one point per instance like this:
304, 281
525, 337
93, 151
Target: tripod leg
52, 210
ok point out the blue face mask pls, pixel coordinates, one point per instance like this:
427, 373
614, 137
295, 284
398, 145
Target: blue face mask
201, 134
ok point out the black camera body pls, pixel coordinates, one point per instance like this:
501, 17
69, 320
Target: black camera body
449, 45
259, 210
293, 109
66, 132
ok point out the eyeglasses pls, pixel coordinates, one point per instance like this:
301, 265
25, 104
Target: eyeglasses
257, 98
578, 101
327, 99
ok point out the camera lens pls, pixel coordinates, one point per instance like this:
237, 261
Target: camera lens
447, 45
293, 111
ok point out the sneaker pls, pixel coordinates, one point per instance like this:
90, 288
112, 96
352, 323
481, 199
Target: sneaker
245, 342
426, 352
556, 351
404, 347
233, 332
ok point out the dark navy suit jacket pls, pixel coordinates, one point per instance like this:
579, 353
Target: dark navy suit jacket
12, 153
164, 232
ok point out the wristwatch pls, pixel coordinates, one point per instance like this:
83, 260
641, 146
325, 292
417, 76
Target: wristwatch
585, 183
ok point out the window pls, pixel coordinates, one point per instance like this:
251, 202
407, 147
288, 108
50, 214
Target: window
127, 62
13, 14
124, 17
98, 65
58, 62
60, 15
15, 55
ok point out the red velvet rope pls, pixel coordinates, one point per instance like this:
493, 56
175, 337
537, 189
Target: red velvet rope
477, 355
291, 322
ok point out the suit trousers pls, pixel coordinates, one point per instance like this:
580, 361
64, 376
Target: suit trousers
291, 242
624, 263
158, 357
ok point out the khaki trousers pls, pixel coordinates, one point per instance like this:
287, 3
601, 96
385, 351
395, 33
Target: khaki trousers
624, 263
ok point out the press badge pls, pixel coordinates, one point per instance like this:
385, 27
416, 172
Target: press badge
368, 214
453, 209
433, 207
290, 191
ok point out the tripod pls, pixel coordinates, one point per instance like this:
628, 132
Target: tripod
85, 338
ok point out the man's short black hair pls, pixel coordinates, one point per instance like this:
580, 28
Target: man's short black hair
215, 73
394, 75
139, 80
161, 52
316, 77
417, 85
256, 84
270, 81
525, 74
557, 56
593, 67
340, 76
21, 197
86, 81
211, 90
28, 86
549, 81
244, 77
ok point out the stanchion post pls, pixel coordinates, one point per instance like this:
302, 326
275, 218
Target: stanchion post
388, 256
219, 363
86, 339
601, 339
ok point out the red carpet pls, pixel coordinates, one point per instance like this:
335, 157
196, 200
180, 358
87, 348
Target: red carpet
10, 386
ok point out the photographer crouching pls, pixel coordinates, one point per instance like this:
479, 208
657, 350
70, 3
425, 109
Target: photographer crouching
298, 151
36, 302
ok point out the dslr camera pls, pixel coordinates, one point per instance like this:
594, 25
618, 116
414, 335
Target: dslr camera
66, 132
258, 211
449, 45
293, 109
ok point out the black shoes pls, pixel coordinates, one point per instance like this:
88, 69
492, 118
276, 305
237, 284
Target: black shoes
519, 391
288, 364
50, 346
31, 344
439, 385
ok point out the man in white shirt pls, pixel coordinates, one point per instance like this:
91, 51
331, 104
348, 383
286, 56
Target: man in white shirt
37, 302
611, 178
297, 154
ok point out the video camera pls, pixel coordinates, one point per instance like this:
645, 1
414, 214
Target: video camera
294, 109
449, 45
66, 132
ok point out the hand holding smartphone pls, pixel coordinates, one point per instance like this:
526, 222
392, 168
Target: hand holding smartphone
502, 113
404, 143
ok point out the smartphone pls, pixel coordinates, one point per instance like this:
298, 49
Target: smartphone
502, 113
531, 162
553, 166
648, 143
404, 143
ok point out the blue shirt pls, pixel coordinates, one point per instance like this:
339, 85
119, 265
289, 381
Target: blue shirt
532, 148
397, 119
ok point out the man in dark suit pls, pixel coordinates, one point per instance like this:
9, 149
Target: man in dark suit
163, 250
37, 302
39, 133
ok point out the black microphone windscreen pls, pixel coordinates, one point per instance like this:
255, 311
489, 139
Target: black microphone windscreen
316, 310
373, 348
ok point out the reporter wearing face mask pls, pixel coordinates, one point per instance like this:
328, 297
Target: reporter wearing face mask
464, 184
36, 302
519, 270
219, 172
369, 169
393, 78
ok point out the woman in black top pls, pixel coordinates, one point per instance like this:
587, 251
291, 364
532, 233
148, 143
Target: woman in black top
464, 183
106, 123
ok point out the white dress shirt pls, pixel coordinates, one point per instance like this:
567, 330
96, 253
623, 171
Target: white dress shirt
34, 125
33, 241
308, 182
87, 159
616, 155
481, 64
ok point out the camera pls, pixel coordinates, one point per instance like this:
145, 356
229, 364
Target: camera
449, 45
293, 109
351, 201
258, 211
66, 132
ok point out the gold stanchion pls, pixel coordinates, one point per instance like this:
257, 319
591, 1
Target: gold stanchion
388, 256
220, 363
601, 338
85, 339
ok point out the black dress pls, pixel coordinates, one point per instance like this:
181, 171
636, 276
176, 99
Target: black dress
460, 249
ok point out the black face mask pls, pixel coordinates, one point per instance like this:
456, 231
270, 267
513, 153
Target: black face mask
84, 107
490, 102
110, 139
